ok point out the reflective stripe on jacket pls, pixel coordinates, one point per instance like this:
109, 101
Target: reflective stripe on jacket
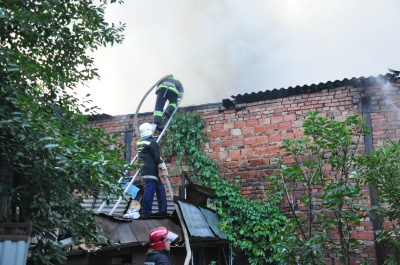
149, 156
172, 84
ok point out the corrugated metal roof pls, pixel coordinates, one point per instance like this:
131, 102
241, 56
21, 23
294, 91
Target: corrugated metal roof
14, 243
91, 204
290, 91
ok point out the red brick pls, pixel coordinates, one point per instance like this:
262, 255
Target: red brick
285, 125
365, 235
272, 127
233, 153
274, 138
240, 124
259, 151
288, 136
222, 133
247, 151
226, 143
252, 123
262, 139
250, 141
217, 127
255, 162
289, 117
232, 164
288, 160
215, 144
276, 119
273, 149
247, 130
260, 129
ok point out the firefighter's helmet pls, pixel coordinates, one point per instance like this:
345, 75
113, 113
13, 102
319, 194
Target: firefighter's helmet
145, 129
158, 236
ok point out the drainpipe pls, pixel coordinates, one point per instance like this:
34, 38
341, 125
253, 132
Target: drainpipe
230, 254
128, 145
377, 221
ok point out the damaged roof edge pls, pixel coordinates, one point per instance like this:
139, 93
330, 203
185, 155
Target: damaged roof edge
290, 91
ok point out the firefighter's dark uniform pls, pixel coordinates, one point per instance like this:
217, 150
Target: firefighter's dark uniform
158, 257
149, 156
169, 89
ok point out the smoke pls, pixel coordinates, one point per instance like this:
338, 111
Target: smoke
219, 48
389, 92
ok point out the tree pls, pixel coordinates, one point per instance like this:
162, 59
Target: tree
381, 169
47, 149
323, 190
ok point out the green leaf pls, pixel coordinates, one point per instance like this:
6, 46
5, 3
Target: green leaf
51, 145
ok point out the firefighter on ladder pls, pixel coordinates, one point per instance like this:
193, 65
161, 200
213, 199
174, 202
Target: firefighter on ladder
150, 163
170, 89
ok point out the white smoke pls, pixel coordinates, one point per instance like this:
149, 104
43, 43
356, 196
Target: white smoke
219, 48
389, 92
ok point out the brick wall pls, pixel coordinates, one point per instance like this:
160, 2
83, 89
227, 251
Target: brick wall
244, 141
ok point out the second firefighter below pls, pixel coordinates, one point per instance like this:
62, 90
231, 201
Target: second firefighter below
170, 89
150, 163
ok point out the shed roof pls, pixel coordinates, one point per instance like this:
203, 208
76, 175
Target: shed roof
202, 224
134, 230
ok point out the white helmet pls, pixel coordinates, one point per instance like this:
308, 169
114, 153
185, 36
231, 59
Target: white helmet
145, 129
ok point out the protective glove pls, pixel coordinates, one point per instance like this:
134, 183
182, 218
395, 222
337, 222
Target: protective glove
164, 171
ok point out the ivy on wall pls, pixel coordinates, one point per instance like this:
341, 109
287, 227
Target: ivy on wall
249, 224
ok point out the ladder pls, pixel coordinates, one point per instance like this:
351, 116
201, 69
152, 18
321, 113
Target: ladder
137, 172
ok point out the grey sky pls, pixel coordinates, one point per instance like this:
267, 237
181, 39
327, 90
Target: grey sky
219, 48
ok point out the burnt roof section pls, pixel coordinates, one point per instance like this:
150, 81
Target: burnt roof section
297, 90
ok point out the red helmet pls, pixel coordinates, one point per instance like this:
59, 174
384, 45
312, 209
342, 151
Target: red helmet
158, 236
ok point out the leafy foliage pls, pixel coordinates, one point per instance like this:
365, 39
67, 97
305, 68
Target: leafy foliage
323, 184
47, 149
381, 169
248, 223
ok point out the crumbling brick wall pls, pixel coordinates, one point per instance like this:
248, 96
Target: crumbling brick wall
245, 140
